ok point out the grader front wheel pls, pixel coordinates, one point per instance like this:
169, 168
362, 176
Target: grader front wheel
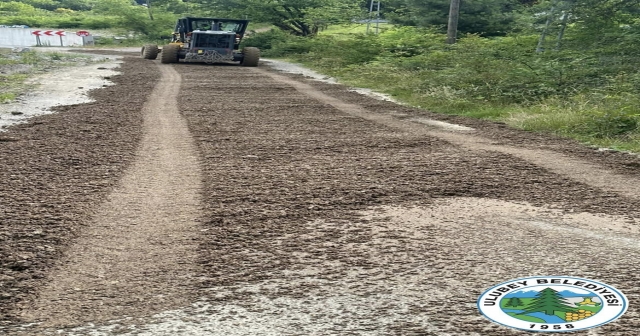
170, 53
150, 51
251, 57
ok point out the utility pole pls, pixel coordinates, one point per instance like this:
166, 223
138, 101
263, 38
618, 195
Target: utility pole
454, 13
373, 5
370, 16
378, 18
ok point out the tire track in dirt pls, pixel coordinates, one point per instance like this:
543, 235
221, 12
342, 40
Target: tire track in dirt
54, 169
137, 254
300, 238
576, 169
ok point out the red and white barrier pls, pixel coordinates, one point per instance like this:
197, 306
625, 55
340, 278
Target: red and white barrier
21, 37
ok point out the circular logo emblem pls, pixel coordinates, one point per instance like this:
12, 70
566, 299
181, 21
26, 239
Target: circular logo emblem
552, 304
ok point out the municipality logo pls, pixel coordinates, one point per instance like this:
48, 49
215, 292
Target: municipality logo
552, 304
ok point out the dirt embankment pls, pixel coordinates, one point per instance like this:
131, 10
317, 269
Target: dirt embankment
56, 169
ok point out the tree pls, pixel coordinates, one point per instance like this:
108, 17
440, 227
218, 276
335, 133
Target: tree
15, 8
589, 24
548, 301
52, 5
149, 9
484, 17
514, 302
134, 18
76, 5
49, 5
300, 17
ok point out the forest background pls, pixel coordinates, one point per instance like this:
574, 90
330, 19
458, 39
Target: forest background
567, 67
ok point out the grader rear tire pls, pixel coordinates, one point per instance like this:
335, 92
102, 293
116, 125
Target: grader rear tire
170, 53
251, 57
150, 51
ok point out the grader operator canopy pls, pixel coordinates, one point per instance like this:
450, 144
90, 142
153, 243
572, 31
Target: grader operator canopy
188, 25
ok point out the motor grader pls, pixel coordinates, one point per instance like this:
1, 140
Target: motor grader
208, 40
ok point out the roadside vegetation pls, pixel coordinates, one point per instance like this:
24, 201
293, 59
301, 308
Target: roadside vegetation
592, 97
581, 81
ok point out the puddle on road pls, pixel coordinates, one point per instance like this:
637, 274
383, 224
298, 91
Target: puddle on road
64, 86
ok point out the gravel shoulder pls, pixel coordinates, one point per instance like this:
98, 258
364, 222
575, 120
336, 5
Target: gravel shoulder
500, 133
58, 88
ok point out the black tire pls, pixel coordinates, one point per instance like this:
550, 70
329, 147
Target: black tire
251, 57
150, 51
170, 53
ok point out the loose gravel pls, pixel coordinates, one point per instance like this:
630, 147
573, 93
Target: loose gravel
55, 170
326, 214
287, 175
136, 255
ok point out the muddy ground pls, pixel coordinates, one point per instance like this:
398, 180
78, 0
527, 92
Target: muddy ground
324, 211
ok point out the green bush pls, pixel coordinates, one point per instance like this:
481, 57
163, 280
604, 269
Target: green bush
66, 22
266, 40
611, 124
99, 22
360, 49
277, 43
78, 20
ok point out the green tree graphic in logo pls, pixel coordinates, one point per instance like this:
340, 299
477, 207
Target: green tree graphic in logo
514, 302
552, 304
548, 301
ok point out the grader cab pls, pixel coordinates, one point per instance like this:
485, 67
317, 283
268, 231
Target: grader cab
208, 40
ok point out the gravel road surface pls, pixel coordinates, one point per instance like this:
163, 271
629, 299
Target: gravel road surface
55, 170
220, 200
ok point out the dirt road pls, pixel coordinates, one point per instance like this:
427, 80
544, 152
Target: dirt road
251, 202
